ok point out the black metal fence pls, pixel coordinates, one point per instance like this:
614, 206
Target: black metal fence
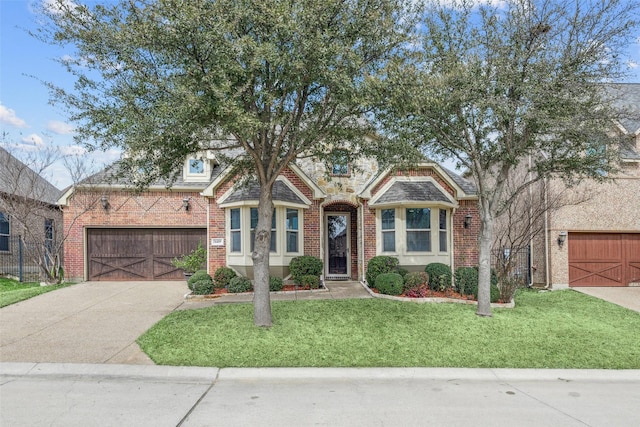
514, 262
20, 260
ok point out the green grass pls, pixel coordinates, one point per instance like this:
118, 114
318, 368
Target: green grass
12, 291
562, 329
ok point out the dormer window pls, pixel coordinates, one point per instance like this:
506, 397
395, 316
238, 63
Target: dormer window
196, 169
339, 163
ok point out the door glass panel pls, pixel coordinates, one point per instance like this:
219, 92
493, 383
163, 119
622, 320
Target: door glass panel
338, 245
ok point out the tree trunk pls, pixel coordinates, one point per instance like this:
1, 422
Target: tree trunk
260, 256
484, 258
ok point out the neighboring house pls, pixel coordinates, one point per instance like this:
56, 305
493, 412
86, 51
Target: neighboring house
597, 243
428, 214
586, 235
28, 211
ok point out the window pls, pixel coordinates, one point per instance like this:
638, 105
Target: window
418, 223
236, 234
292, 230
254, 224
388, 230
196, 167
48, 235
340, 163
4, 232
443, 230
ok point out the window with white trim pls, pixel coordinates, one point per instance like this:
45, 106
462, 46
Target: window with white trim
254, 224
291, 227
4, 232
418, 226
442, 235
235, 230
388, 230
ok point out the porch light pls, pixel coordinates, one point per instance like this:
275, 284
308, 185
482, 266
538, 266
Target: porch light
467, 221
105, 202
185, 203
562, 236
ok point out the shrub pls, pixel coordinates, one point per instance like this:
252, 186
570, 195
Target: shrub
313, 282
379, 265
439, 276
275, 284
403, 272
239, 284
466, 279
222, 276
305, 265
494, 293
389, 283
415, 280
193, 261
508, 285
201, 283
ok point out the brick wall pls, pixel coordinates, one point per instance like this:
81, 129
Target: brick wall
162, 209
465, 240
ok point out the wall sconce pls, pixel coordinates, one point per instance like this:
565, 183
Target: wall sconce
562, 236
467, 221
185, 203
105, 202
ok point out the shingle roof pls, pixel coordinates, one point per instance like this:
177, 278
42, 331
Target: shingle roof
626, 96
111, 175
412, 191
24, 182
281, 192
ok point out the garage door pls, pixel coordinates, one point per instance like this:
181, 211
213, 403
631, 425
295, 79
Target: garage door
139, 254
604, 259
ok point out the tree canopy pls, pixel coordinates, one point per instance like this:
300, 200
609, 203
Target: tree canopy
260, 82
496, 85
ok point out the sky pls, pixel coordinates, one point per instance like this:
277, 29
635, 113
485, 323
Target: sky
28, 120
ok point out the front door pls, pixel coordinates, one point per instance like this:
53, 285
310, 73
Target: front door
337, 258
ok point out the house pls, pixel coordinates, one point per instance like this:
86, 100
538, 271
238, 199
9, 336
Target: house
423, 215
588, 234
597, 243
29, 217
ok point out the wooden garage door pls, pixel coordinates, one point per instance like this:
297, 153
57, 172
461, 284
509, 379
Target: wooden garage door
604, 259
139, 254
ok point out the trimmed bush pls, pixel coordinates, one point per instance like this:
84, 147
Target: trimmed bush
466, 279
200, 283
415, 280
389, 283
439, 276
305, 265
223, 276
239, 284
313, 282
275, 284
494, 293
379, 265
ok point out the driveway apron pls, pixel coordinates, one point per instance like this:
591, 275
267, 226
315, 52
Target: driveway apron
91, 322
628, 297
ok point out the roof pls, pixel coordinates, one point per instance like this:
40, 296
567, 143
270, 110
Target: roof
24, 182
467, 186
281, 193
412, 191
112, 176
626, 97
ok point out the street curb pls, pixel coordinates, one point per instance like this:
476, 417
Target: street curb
181, 374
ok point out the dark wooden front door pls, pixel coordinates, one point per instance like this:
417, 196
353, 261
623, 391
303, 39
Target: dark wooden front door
604, 259
139, 254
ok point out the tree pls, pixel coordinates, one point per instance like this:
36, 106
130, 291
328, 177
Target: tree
261, 82
496, 83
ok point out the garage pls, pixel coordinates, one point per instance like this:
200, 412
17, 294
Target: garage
140, 253
604, 259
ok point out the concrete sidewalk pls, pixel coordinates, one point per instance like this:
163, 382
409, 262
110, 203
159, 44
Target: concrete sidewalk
158, 396
627, 297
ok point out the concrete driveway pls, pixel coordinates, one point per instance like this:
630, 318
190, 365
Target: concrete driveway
91, 322
628, 297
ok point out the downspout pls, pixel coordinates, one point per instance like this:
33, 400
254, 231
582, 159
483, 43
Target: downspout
546, 235
361, 248
531, 252
451, 241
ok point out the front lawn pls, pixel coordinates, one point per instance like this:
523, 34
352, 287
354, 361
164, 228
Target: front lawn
12, 291
561, 329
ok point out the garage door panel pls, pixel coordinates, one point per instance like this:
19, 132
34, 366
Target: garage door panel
139, 254
604, 259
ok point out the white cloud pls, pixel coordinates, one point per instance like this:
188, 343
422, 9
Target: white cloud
7, 115
56, 7
60, 128
632, 64
73, 150
33, 140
